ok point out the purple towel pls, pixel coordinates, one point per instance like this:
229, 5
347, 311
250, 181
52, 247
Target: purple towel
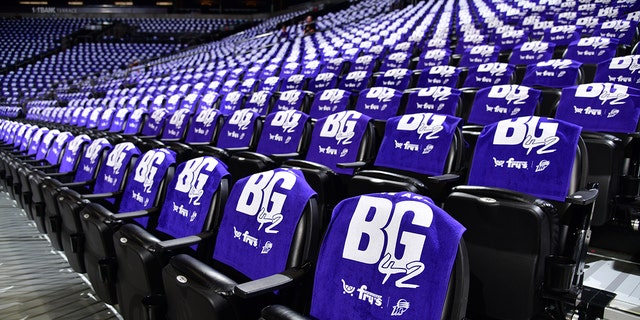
337, 139
489, 74
282, 132
111, 174
60, 143
189, 194
532, 52
89, 161
259, 102
259, 222
134, 121
623, 30
396, 60
312, 68
41, 142
294, 82
72, 153
497, 103
104, 123
155, 123
510, 39
289, 100
440, 100
177, 124
434, 57
532, 155
270, 71
592, 49
355, 81
143, 184
119, 120
208, 101
203, 127
385, 256
562, 35
231, 102
238, 130
270, 84
379, 102
364, 63
621, 70
603, 107
28, 137
323, 81
478, 55
469, 41
555, 73
329, 101
84, 116
446, 76
92, 120
418, 142
398, 79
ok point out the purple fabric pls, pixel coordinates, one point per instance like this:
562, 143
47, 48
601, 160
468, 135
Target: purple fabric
603, 107
312, 68
19, 136
189, 102
155, 123
208, 101
104, 122
270, 84
418, 142
329, 101
119, 120
289, 69
532, 52
295, 82
385, 255
364, 63
398, 79
434, 57
28, 137
510, 39
221, 75
334, 65
177, 124
337, 139
112, 173
446, 76
72, 153
282, 132
231, 102
379, 102
134, 121
403, 47
323, 81
84, 117
260, 220
478, 55
90, 160
270, 71
173, 103
260, 102
592, 49
238, 130
355, 81
203, 127
440, 100
555, 73
94, 117
247, 85
60, 143
469, 41
565, 18
143, 183
189, 195
396, 60
620, 70
45, 142
497, 103
436, 43
562, 35
623, 30
229, 86
76, 115
532, 155
290, 100
589, 23
489, 74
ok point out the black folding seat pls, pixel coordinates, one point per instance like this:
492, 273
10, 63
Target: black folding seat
361, 274
106, 189
144, 190
527, 218
342, 137
356, 81
331, 101
285, 135
436, 99
420, 152
323, 81
527, 53
292, 100
93, 157
591, 51
188, 215
232, 102
608, 114
260, 102
136, 121
489, 74
265, 247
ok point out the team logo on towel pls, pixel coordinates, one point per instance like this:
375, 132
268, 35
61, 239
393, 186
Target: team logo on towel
259, 199
288, 120
341, 126
207, 117
146, 168
626, 62
512, 93
116, 157
290, 97
612, 94
259, 98
383, 234
194, 176
528, 132
496, 69
425, 124
332, 95
443, 71
241, 118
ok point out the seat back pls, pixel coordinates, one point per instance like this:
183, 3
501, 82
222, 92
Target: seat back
283, 132
323, 81
204, 127
231, 102
446, 76
119, 120
55, 152
260, 102
240, 130
399, 79
620, 70
501, 102
176, 128
478, 55
87, 167
135, 121
379, 103
155, 123
292, 100
436, 99
36, 140
72, 152
111, 176
329, 101
45, 144
368, 277
489, 74
355, 81
434, 57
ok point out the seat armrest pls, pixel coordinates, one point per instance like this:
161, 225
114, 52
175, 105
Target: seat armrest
178, 243
270, 283
94, 196
445, 178
236, 149
583, 197
348, 165
278, 312
134, 214
284, 156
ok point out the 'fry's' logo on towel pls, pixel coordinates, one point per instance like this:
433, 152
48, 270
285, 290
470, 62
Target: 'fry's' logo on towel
374, 240
528, 132
260, 200
194, 176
